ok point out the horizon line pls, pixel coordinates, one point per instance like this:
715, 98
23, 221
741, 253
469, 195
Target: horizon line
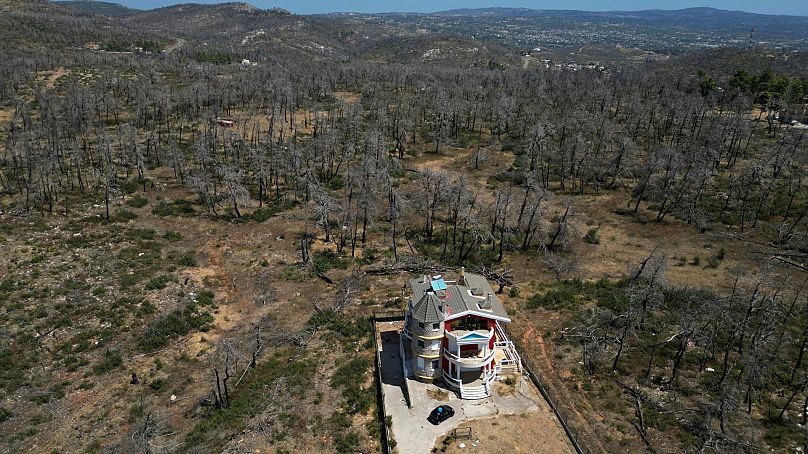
482, 8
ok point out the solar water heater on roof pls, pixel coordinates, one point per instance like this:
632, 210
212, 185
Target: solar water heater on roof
438, 284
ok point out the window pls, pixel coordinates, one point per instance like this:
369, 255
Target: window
436, 325
421, 343
435, 364
420, 362
472, 324
421, 325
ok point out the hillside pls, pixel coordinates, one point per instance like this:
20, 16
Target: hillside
91, 7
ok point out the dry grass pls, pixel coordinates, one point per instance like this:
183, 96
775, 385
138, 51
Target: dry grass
438, 394
229, 257
507, 435
506, 387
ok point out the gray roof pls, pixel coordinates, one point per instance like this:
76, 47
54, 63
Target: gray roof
471, 293
428, 309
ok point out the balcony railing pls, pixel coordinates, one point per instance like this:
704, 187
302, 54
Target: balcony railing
485, 379
512, 359
473, 361
456, 382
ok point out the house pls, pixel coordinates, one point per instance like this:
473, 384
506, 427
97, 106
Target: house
453, 333
226, 124
794, 112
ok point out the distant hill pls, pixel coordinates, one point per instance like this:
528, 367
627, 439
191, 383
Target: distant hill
90, 7
31, 6
700, 18
207, 19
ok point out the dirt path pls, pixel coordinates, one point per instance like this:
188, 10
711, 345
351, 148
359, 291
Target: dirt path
559, 391
50, 82
176, 45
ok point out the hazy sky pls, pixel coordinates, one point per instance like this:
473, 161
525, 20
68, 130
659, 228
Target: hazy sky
792, 7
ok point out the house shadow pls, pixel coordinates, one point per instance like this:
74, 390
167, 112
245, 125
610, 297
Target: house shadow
392, 372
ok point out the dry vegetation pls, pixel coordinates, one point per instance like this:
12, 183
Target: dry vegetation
171, 285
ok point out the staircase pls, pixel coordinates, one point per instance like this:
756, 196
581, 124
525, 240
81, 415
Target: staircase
512, 361
475, 392
480, 391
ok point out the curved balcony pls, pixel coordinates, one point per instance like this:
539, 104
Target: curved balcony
470, 380
477, 360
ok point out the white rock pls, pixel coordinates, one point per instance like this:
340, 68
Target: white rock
173, 398
462, 445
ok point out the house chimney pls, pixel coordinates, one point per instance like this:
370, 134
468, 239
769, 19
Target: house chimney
462, 275
487, 303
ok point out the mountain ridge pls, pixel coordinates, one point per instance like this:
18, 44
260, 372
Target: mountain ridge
98, 7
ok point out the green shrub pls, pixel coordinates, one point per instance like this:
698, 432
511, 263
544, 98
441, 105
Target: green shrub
159, 282
112, 360
143, 234
187, 259
137, 201
177, 323
58, 390
336, 183
326, 261
172, 235
5, 414
369, 255
592, 236
175, 208
157, 385
346, 441
552, 299
146, 308
123, 215
205, 298
40, 398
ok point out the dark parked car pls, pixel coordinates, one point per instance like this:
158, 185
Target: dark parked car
440, 414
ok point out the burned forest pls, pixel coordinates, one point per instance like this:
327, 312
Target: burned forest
202, 207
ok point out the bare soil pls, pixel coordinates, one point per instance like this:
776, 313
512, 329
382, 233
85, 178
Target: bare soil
508, 434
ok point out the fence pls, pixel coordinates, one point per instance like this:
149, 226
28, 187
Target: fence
527, 366
388, 316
